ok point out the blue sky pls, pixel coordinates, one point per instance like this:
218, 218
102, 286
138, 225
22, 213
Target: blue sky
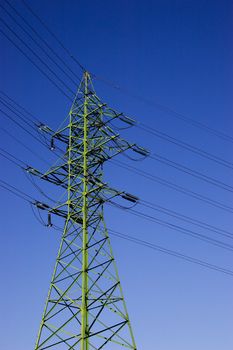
174, 53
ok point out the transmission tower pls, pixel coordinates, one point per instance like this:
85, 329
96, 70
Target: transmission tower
85, 307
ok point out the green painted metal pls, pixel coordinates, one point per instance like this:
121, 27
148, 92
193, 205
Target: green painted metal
85, 307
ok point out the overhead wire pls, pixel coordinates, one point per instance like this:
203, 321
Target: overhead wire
172, 185
16, 191
221, 135
214, 179
35, 41
162, 249
191, 172
25, 197
221, 161
142, 202
22, 127
53, 35
184, 145
14, 110
35, 64
20, 108
147, 204
177, 166
161, 159
174, 253
36, 55
177, 228
186, 218
170, 111
207, 239
11, 158
25, 129
29, 149
199, 223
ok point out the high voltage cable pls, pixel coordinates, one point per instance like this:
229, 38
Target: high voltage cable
166, 161
169, 110
43, 40
25, 146
173, 186
211, 179
11, 158
178, 228
161, 249
53, 35
176, 141
36, 65
151, 177
22, 195
29, 114
184, 145
16, 112
16, 191
192, 172
147, 204
186, 218
36, 55
22, 165
170, 252
215, 203
35, 138
22, 116
36, 42
177, 115
22, 127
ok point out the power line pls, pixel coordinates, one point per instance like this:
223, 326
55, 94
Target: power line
192, 172
25, 197
16, 112
173, 162
161, 222
29, 114
164, 250
22, 116
36, 55
147, 204
24, 145
176, 141
164, 108
22, 127
186, 218
16, 191
36, 65
184, 145
53, 35
167, 109
11, 158
173, 186
178, 228
170, 252
36, 42
177, 166
43, 40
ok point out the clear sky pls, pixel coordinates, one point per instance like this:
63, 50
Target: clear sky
175, 53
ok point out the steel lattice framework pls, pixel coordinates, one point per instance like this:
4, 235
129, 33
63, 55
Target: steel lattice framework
85, 308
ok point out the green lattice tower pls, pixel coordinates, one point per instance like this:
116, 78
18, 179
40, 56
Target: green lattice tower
85, 308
